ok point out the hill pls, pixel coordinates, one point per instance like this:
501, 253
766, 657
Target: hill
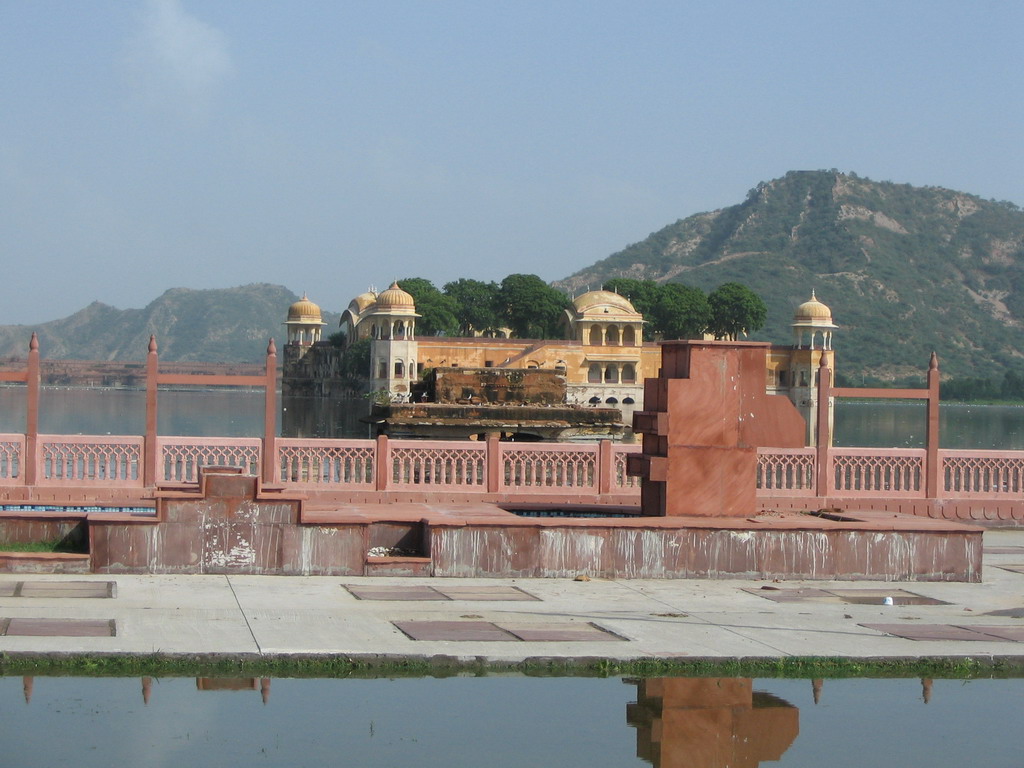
230, 325
906, 270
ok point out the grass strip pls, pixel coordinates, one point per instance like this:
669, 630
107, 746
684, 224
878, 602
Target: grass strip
336, 666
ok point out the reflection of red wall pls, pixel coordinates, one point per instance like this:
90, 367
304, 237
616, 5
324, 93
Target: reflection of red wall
703, 421
710, 723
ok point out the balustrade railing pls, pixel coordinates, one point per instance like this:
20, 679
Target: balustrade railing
786, 472
450, 465
12, 449
320, 464
989, 474
88, 460
868, 472
179, 458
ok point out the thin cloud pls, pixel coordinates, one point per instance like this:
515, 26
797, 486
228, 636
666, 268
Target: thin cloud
175, 61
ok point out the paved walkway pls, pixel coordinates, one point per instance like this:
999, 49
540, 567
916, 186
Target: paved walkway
510, 620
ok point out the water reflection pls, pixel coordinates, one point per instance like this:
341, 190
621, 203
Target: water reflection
710, 723
510, 721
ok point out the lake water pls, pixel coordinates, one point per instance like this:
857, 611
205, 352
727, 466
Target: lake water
240, 414
511, 721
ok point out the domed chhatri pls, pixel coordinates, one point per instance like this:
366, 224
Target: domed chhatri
605, 301
605, 318
811, 319
304, 310
304, 323
395, 298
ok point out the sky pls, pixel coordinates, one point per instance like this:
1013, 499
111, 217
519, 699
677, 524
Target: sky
334, 146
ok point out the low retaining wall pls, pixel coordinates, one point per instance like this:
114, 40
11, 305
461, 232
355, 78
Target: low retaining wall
229, 524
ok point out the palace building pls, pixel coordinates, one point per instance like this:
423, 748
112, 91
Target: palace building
602, 358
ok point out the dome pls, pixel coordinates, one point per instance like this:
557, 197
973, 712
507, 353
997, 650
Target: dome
304, 311
395, 298
362, 301
596, 299
814, 312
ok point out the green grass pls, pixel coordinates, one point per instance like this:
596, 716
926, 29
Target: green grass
336, 666
61, 544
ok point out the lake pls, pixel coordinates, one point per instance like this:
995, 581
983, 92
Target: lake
502, 722
211, 413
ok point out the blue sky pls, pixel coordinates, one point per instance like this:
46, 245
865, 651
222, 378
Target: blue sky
329, 146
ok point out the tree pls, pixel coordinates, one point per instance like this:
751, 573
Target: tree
735, 310
682, 312
437, 311
533, 309
476, 305
354, 367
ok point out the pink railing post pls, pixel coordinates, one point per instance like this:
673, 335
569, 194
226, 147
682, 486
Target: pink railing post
493, 464
931, 463
271, 465
823, 435
382, 463
31, 462
605, 467
149, 449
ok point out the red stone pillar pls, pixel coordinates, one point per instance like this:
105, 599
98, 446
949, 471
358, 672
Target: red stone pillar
382, 463
31, 462
493, 467
270, 468
605, 467
149, 449
823, 480
931, 466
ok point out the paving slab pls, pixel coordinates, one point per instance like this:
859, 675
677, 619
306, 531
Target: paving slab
510, 620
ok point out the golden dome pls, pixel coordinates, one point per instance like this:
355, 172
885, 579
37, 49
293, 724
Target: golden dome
609, 301
395, 298
812, 311
304, 311
362, 301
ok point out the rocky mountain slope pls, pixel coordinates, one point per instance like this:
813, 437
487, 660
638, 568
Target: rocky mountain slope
906, 270
226, 325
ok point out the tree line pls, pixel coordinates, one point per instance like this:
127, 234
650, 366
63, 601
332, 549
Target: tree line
532, 309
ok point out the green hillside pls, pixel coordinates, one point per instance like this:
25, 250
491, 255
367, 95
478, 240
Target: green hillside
906, 270
229, 325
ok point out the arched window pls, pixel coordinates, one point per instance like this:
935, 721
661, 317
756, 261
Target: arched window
595, 400
611, 374
399, 369
595, 336
628, 401
612, 335
628, 374
612, 401
400, 330
594, 374
628, 336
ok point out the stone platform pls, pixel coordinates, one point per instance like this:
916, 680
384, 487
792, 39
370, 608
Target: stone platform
230, 524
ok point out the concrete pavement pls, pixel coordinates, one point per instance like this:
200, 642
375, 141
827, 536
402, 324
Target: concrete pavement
511, 620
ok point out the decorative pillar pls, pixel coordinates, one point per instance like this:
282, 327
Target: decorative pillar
31, 465
823, 481
149, 448
271, 467
932, 469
